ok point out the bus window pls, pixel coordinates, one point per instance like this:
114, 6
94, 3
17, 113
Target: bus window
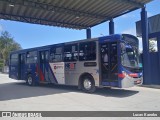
56, 54
22, 59
71, 53
113, 52
32, 57
14, 59
44, 56
87, 51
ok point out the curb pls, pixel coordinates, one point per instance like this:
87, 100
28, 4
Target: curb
150, 86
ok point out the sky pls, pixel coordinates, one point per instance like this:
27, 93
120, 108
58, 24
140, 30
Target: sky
33, 35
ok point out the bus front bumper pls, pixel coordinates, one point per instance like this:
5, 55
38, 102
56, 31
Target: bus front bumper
138, 81
130, 82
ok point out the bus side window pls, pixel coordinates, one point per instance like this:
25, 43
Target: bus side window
87, 51
71, 53
46, 56
32, 57
56, 54
42, 56
22, 59
113, 52
14, 59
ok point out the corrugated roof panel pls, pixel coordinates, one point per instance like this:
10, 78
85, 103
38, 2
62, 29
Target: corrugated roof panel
75, 14
80, 5
33, 14
72, 4
22, 10
111, 9
115, 13
2, 6
121, 8
95, 8
86, 4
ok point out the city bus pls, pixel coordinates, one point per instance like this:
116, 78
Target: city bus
108, 61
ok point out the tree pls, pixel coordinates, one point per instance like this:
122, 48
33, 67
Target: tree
7, 44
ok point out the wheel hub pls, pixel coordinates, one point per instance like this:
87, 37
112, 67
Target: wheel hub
87, 84
30, 80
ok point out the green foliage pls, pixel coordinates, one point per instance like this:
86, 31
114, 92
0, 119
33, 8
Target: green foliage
1, 65
7, 44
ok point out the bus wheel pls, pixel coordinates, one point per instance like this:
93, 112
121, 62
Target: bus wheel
88, 84
30, 80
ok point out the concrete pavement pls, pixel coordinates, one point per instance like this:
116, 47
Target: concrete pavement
17, 96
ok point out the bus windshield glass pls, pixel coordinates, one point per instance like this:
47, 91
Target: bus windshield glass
129, 57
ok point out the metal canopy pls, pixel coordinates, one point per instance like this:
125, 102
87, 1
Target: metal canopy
75, 14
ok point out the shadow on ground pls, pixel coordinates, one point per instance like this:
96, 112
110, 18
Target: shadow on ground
18, 90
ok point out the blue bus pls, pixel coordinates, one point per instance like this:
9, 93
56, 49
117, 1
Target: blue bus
109, 61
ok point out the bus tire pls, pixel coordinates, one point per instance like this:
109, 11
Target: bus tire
88, 84
30, 80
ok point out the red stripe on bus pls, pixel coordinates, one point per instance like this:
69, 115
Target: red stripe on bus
40, 73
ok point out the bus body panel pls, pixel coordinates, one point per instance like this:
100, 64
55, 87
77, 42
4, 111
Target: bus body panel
58, 70
13, 72
73, 72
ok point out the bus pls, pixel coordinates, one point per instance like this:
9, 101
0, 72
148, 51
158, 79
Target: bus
108, 61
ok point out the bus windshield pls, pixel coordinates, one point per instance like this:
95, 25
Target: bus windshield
129, 57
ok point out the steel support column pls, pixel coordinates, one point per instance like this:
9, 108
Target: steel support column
88, 33
111, 27
145, 41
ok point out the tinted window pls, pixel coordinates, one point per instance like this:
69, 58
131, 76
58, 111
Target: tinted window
71, 53
22, 58
32, 57
87, 51
113, 52
56, 54
44, 56
14, 59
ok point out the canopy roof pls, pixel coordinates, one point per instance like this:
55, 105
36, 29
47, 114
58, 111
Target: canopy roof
75, 14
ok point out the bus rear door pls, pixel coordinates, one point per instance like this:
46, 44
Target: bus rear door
109, 64
44, 65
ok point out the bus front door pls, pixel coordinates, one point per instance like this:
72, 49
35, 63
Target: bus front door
109, 64
44, 65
